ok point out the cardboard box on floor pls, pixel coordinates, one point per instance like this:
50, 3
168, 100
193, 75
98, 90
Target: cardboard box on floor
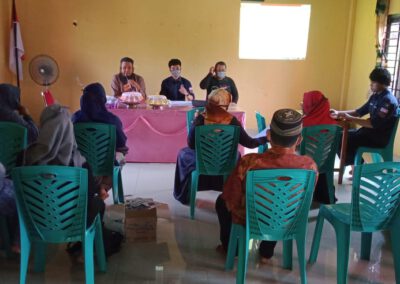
141, 224
136, 225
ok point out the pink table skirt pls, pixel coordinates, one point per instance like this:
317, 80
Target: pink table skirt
156, 136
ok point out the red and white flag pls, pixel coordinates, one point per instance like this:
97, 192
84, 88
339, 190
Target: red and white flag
16, 47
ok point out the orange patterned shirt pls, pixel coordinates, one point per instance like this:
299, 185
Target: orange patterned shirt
234, 192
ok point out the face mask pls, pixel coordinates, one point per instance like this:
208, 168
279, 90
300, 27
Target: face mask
176, 73
221, 74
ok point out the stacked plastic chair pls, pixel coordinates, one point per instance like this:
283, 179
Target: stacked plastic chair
13, 140
277, 206
96, 142
261, 125
321, 143
216, 154
52, 205
374, 207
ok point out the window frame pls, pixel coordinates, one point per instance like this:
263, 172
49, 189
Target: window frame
395, 71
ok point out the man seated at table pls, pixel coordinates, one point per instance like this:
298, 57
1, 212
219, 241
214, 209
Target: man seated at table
284, 135
175, 87
216, 78
381, 106
126, 80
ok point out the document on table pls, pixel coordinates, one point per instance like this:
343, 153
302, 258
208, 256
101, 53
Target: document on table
262, 133
180, 103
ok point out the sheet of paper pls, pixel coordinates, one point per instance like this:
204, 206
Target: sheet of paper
263, 133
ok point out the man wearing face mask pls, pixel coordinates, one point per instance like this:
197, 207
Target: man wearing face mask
217, 78
175, 87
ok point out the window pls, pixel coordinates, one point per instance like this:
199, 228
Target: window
269, 31
393, 52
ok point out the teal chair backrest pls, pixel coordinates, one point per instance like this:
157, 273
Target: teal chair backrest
261, 125
321, 143
96, 142
190, 116
51, 202
278, 202
216, 149
394, 131
375, 196
13, 139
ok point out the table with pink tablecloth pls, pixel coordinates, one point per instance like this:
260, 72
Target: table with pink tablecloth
156, 135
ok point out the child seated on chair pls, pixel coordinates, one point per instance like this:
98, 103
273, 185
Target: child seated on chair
284, 135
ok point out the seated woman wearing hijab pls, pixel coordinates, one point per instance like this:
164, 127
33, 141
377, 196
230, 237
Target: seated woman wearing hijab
56, 145
216, 113
11, 110
316, 110
93, 109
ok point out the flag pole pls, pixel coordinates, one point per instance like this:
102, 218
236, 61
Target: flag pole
15, 42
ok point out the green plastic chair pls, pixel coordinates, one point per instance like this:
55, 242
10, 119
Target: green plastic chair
96, 142
261, 125
52, 204
277, 206
216, 154
190, 116
379, 154
374, 207
13, 140
321, 143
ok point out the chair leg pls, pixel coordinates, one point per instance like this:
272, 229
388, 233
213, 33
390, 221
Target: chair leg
287, 262
25, 252
243, 256
118, 192
358, 158
5, 235
39, 256
331, 187
366, 240
88, 251
237, 232
343, 247
121, 197
395, 236
99, 246
301, 254
316, 238
193, 192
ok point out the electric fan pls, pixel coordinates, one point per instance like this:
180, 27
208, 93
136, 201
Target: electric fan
44, 71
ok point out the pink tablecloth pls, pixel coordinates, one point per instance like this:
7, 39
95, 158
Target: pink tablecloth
156, 136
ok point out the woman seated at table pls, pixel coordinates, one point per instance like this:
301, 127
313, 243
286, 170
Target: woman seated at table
11, 110
316, 111
126, 80
215, 113
381, 106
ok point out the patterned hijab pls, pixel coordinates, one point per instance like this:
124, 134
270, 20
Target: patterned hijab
216, 108
56, 143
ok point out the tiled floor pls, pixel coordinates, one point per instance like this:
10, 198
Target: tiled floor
185, 249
